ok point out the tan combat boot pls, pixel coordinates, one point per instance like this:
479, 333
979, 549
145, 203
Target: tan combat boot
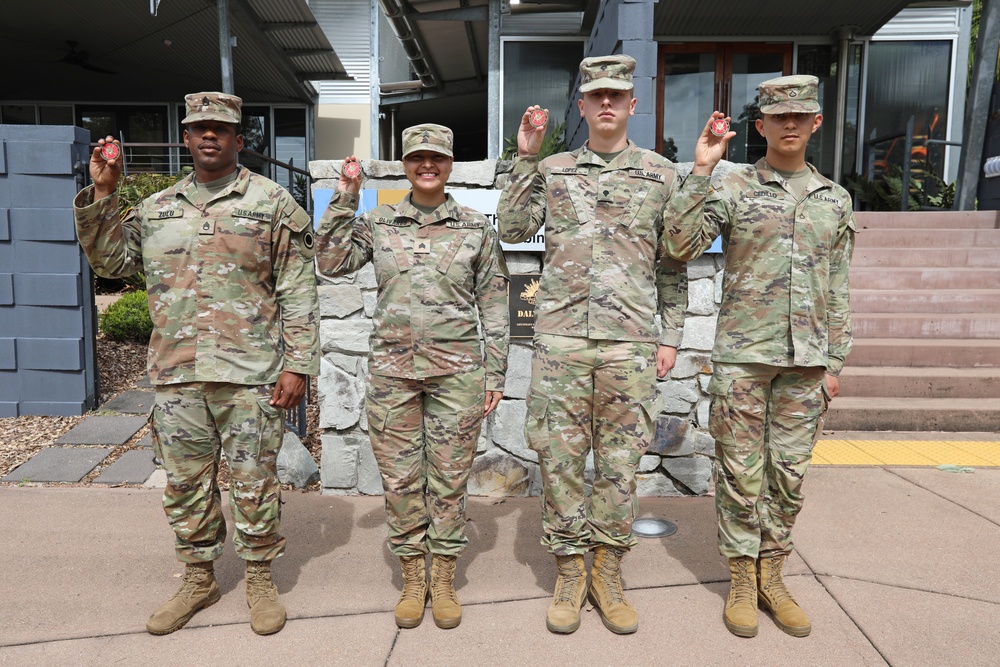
773, 596
267, 614
571, 590
606, 591
740, 615
410, 608
445, 609
198, 591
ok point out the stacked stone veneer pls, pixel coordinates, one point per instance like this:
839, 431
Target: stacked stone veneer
678, 463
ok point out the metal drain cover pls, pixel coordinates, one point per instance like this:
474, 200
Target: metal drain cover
653, 528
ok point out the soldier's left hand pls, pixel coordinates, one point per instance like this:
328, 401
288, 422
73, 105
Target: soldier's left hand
288, 390
833, 385
492, 400
666, 357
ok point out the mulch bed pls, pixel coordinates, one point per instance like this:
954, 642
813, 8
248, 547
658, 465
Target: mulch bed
121, 366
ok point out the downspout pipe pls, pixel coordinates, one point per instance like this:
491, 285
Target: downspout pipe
409, 39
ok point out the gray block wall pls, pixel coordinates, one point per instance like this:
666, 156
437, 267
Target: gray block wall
624, 26
47, 314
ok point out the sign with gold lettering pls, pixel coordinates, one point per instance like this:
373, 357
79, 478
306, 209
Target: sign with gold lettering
523, 288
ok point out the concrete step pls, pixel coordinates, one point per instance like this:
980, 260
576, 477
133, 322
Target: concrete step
891, 278
902, 382
952, 257
928, 220
927, 238
926, 325
913, 414
919, 352
925, 301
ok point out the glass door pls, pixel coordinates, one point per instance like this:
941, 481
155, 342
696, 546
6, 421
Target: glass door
696, 79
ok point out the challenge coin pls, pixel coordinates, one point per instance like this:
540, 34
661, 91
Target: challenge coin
352, 169
538, 118
110, 151
719, 127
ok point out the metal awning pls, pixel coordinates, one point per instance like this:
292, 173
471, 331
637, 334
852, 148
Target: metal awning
116, 50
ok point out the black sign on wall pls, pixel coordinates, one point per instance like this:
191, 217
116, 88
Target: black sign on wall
523, 288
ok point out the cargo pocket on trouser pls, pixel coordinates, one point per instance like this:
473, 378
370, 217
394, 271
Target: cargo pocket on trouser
720, 425
270, 425
536, 426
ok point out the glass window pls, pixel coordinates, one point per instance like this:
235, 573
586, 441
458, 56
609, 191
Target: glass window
55, 115
748, 70
134, 125
256, 138
688, 99
821, 61
290, 143
17, 114
908, 78
539, 73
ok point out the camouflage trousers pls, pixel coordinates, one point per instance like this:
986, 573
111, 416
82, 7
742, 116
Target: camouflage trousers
589, 395
192, 424
424, 435
765, 421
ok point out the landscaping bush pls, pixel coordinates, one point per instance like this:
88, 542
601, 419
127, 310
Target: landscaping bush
127, 319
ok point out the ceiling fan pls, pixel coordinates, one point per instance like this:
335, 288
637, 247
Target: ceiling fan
80, 58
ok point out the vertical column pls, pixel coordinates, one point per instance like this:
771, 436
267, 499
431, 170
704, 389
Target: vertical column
47, 364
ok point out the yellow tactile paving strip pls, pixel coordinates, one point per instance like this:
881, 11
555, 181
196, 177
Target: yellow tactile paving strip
906, 453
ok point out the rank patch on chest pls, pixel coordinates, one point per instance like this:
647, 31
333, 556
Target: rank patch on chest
422, 247
207, 228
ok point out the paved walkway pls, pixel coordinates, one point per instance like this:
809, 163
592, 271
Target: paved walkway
896, 566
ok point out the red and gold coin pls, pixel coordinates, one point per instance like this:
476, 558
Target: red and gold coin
111, 151
719, 127
352, 169
538, 118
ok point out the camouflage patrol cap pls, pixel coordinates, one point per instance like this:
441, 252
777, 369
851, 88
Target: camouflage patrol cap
614, 72
790, 94
213, 106
428, 137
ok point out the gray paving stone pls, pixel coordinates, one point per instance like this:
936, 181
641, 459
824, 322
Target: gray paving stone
134, 467
144, 383
133, 402
59, 464
102, 430
146, 442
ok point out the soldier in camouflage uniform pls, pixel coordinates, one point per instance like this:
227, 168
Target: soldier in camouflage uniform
784, 326
598, 347
429, 387
228, 259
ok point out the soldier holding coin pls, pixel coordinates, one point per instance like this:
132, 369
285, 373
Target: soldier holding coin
228, 259
432, 379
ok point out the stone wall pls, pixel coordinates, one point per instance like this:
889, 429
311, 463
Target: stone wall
678, 463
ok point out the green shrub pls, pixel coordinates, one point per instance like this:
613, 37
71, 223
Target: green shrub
127, 319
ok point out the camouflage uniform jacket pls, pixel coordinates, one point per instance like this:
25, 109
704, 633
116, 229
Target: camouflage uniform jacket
785, 292
432, 271
231, 284
604, 250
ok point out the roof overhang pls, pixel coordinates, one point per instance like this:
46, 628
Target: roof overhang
116, 50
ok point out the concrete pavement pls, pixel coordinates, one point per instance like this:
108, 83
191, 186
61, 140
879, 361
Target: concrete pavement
894, 565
